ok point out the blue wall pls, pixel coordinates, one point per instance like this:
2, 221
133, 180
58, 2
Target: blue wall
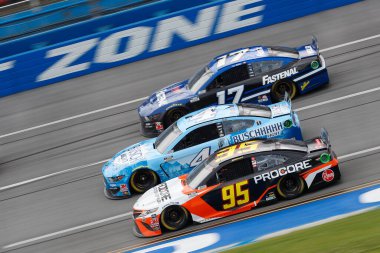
146, 38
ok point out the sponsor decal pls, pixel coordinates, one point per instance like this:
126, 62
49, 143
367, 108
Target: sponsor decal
314, 64
194, 99
309, 50
328, 175
273, 78
269, 131
161, 98
159, 126
124, 189
283, 171
270, 196
263, 98
163, 192
304, 85
130, 156
253, 162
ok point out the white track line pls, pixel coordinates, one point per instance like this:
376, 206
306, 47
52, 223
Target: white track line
337, 99
96, 163
50, 175
73, 117
143, 98
130, 213
68, 230
350, 43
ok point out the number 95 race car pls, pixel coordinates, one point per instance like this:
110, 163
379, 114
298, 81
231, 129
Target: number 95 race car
190, 140
255, 74
236, 179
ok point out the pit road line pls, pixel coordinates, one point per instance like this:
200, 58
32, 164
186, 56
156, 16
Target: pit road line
130, 213
143, 98
103, 161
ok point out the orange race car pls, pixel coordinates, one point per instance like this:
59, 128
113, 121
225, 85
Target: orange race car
236, 179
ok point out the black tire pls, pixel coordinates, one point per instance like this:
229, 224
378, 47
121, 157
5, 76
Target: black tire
174, 218
173, 115
290, 187
143, 179
279, 88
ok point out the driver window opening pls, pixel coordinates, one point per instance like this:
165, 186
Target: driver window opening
197, 136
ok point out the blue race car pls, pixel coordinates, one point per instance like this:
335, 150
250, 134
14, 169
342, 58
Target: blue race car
190, 140
259, 74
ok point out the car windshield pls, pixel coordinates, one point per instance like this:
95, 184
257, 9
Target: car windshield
167, 137
199, 79
200, 172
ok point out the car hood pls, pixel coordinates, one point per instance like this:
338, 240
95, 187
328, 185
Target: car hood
130, 157
162, 194
165, 97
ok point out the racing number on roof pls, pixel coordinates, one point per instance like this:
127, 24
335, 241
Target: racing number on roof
235, 195
238, 93
235, 149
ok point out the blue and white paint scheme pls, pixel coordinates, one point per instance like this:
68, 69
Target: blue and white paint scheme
191, 139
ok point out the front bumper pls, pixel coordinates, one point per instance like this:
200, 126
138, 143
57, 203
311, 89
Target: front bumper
151, 129
116, 190
147, 227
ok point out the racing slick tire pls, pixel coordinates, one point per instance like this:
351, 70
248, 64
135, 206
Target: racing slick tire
173, 115
290, 187
174, 218
280, 87
143, 179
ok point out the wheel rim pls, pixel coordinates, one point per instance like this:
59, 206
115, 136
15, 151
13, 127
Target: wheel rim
291, 187
143, 180
283, 87
174, 218
175, 115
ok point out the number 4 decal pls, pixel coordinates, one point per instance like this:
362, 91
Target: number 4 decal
205, 152
222, 94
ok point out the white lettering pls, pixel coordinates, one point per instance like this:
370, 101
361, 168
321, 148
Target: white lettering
181, 26
138, 39
271, 79
71, 53
232, 13
7, 65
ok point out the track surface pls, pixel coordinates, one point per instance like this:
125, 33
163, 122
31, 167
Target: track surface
76, 198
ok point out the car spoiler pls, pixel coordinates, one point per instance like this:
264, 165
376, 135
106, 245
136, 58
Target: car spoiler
325, 138
314, 44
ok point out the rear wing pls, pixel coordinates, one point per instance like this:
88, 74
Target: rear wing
319, 143
282, 108
309, 50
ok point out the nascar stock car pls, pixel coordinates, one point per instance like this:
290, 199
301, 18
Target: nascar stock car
256, 74
190, 140
236, 179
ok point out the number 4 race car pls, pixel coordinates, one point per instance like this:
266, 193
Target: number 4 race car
236, 179
256, 74
190, 140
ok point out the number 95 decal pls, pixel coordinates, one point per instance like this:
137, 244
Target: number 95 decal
235, 195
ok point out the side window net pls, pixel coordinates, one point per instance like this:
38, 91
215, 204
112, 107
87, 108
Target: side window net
198, 136
235, 170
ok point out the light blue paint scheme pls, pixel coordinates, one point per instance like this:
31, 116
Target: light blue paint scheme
247, 231
171, 164
28, 68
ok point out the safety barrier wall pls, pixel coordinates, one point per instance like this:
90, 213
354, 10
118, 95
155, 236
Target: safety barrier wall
148, 38
57, 13
92, 26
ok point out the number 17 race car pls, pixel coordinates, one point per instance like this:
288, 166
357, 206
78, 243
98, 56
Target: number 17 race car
255, 74
236, 179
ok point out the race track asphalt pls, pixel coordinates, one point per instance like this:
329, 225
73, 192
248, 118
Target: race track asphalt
75, 198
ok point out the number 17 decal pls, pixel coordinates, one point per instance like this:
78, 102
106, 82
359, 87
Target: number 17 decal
233, 195
238, 93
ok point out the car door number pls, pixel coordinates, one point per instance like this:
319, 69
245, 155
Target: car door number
205, 152
233, 195
238, 90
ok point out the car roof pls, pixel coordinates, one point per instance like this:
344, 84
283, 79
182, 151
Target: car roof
257, 146
207, 114
250, 53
